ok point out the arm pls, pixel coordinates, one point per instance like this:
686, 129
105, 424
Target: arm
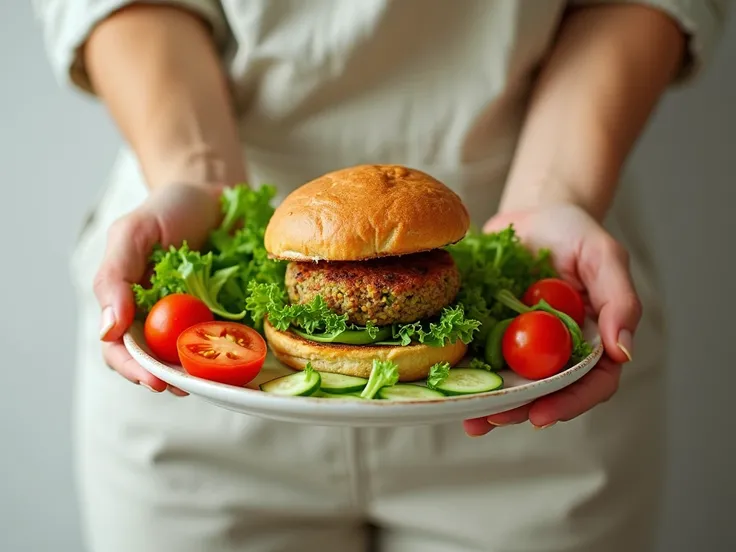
605, 74
157, 71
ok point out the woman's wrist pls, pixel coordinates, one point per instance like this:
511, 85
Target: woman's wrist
539, 192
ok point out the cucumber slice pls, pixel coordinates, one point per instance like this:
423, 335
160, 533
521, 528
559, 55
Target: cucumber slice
294, 385
348, 396
339, 383
408, 392
466, 381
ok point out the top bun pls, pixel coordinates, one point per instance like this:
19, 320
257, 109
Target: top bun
365, 212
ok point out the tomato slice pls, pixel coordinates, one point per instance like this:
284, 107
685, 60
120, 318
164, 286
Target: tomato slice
536, 345
221, 351
560, 295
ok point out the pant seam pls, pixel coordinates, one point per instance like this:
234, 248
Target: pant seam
355, 469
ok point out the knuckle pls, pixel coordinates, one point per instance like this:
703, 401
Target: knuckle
119, 227
108, 357
630, 306
635, 305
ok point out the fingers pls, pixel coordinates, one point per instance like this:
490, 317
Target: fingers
596, 387
480, 426
117, 357
476, 427
604, 270
178, 392
129, 244
510, 417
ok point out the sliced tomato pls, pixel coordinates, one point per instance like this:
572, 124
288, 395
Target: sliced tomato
170, 316
536, 345
560, 295
225, 352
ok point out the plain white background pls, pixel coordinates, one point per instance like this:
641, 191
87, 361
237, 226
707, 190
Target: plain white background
56, 148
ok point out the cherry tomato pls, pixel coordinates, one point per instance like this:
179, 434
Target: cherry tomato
560, 295
170, 316
225, 352
536, 345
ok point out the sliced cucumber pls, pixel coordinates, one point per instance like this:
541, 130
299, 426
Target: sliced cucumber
348, 396
302, 384
339, 383
408, 392
466, 381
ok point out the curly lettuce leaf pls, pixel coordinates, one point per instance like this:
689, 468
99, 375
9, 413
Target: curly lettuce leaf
438, 373
478, 364
451, 326
165, 280
221, 273
181, 270
492, 262
384, 373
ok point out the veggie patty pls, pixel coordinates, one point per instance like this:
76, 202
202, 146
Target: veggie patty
383, 291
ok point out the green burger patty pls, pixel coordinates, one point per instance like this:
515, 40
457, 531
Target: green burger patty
383, 291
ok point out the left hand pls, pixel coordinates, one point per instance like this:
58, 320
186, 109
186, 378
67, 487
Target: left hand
590, 259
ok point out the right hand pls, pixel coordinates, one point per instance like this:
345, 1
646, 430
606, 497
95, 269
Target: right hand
170, 215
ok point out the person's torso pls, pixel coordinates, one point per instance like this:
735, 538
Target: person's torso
437, 85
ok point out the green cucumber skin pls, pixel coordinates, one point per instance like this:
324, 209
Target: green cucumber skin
339, 384
307, 392
421, 393
447, 387
321, 394
493, 350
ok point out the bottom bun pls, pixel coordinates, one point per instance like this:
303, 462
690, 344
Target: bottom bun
414, 361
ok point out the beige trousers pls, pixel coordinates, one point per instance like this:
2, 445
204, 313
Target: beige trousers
159, 473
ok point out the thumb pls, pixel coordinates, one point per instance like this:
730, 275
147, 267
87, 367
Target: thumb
129, 243
603, 268
501, 221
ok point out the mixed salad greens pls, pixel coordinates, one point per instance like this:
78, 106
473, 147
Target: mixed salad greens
506, 291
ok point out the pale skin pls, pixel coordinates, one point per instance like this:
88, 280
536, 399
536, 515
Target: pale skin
157, 71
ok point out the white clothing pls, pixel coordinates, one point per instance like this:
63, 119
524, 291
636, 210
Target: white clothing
319, 85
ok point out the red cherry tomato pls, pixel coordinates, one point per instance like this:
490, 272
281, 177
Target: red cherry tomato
536, 345
560, 295
225, 352
170, 316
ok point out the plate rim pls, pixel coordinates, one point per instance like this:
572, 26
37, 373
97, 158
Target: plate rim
258, 399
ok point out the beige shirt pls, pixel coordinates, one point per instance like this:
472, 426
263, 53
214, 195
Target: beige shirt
436, 84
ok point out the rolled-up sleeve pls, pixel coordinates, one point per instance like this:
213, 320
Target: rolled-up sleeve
701, 20
66, 25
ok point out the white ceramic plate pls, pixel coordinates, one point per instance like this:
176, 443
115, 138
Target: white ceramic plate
335, 412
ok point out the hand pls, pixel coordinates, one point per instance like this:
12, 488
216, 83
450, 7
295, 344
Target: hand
170, 215
588, 257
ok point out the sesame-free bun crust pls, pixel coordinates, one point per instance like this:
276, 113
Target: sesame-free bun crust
414, 361
365, 212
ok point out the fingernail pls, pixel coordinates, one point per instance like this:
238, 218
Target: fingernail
545, 426
503, 424
107, 322
626, 343
147, 387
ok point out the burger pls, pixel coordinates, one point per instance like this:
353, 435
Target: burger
367, 274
